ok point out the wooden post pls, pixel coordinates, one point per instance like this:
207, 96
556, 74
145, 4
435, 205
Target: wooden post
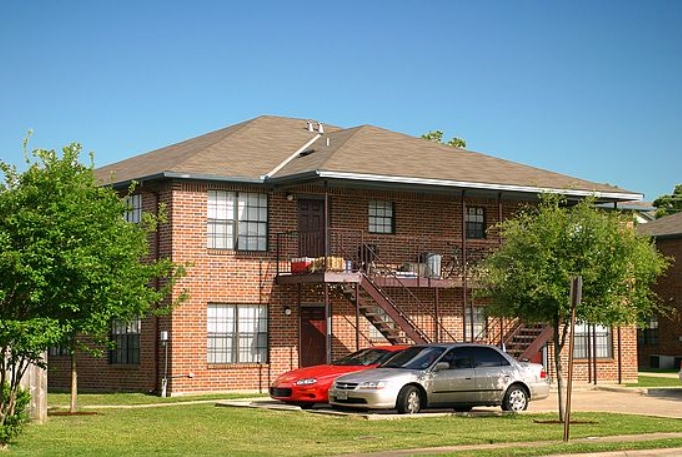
35, 381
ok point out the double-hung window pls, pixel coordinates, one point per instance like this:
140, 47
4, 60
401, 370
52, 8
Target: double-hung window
475, 222
237, 220
236, 333
134, 212
478, 321
648, 335
126, 339
381, 217
592, 341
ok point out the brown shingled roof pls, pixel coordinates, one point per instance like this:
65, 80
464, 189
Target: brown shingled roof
265, 148
372, 150
668, 226
247, 150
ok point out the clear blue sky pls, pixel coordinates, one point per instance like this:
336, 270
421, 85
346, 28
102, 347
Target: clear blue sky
591, 89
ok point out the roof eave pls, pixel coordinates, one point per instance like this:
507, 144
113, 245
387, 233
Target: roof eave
612, 196
187, 176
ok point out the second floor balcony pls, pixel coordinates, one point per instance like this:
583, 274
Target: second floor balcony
339, 255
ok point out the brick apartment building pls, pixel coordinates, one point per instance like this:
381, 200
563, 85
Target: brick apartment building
660, 342
309, 241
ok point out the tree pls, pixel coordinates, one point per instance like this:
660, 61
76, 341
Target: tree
436, 136
545, 246
69, 260
669, 204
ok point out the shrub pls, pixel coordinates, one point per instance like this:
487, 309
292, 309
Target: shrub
12, 423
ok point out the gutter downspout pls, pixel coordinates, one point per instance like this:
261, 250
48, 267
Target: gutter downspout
465, 272
157, 250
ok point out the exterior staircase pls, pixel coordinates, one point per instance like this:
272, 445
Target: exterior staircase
392, 322
525, 340
522, 341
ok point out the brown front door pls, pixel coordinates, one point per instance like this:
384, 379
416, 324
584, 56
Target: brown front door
313, 336
311, 228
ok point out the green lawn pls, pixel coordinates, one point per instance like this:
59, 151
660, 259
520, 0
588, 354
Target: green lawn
62, 400
204, 429
651, 381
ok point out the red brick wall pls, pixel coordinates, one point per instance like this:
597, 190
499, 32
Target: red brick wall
609, 370
96, 373
669, 290
217, 276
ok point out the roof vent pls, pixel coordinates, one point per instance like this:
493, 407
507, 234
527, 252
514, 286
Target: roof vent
309, 126
320, 129
306, 152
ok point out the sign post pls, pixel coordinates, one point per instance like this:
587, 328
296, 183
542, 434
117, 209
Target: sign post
576, 296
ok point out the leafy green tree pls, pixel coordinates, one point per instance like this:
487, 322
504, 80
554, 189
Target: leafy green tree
669, 204
546, 245
70, 261
437, 137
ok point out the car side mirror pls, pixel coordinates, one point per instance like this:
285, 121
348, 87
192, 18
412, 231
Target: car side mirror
440, 366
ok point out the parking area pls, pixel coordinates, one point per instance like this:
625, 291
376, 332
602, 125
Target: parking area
653, 402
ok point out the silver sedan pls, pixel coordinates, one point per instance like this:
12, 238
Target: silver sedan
454, 375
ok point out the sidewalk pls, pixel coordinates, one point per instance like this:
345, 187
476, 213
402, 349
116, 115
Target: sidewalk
490, 447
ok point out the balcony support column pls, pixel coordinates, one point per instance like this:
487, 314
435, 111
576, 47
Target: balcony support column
328, 318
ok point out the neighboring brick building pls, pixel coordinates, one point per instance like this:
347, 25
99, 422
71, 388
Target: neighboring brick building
309, 241
660, 342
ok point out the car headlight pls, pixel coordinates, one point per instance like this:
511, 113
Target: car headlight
306, 382
373, 385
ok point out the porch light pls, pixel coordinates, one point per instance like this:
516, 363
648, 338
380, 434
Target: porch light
287, 310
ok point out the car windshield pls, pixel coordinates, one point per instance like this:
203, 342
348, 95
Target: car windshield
414, 358
365, 357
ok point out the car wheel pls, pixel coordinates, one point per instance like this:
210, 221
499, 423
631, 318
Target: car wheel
409, 400
515, 400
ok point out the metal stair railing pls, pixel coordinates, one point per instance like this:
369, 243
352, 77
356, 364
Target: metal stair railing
400, 317
380, 265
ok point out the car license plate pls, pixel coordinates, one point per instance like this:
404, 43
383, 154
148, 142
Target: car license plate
342, 395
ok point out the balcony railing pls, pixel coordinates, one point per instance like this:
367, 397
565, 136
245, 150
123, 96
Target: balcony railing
380, 255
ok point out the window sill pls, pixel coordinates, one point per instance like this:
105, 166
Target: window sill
216, 251
599, 360
226, 366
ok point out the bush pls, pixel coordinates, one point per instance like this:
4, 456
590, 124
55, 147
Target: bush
13, 423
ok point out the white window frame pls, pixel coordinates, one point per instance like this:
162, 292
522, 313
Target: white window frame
236, 333
237, 221
134, 212
604, 338
374, 333
474, 218
381, 217
480, 323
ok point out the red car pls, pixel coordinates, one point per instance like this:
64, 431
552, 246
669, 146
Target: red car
306, 386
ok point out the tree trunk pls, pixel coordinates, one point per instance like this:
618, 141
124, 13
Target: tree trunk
559, 373
74, 381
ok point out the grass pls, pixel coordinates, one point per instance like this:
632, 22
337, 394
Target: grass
203, 429
650, 381
62, 400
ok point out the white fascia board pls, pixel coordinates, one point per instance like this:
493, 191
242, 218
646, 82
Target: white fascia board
478, 185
